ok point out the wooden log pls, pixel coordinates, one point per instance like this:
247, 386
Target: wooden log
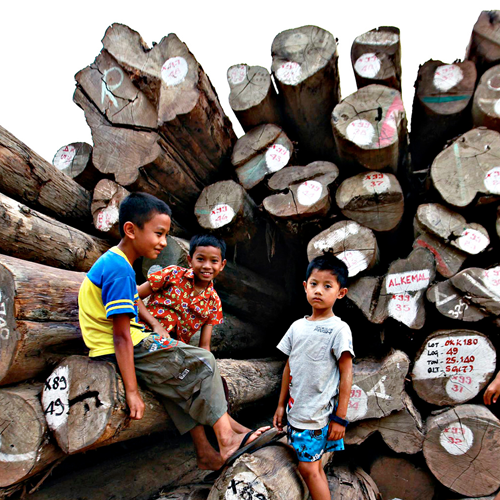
403, 289
192, 492
486, 103
305, 70
497, 225
26, 447
441, 108
29, 179
484, 44
373, 199
304, 193
378, 386
454, 303
402, 431
38, 318
75, 160
453, 366
369, 127
356, 245
376, 58
253, 97
364, 292
84, 400
398, 477
462, 449
351, 483
30, 235
468, 167
259, 153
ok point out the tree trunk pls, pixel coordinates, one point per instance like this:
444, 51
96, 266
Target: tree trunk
486, 103
253, 97
453, 366
354, 244
38, 318
305, 68
484, 44
441, 108
373, 199
84, 400
351, 483
29, 179
462, 449
370, 128
378, 386
376, 58
26, 448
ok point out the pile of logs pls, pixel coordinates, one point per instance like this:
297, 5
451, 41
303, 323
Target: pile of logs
415, 215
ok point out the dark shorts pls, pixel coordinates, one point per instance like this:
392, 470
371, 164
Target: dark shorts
311, 444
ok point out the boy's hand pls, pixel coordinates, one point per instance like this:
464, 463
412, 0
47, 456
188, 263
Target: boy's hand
135, 404
335, 431
160, 330
278, 417
492, 392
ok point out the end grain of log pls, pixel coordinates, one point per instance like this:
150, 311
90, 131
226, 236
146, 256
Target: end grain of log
486, 103
484, 44
351, 483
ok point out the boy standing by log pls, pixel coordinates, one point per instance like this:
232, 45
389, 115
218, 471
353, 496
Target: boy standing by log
185, 378
318, 375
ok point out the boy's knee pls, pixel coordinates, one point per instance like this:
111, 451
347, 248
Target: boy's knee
310, 470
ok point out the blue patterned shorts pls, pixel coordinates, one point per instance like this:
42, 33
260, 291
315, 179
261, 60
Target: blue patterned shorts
311, 444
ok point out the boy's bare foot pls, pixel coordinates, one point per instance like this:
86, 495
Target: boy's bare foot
231, 445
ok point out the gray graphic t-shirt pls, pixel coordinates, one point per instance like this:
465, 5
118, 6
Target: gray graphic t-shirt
313, 348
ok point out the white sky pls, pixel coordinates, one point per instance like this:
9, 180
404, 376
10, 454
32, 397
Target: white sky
44, 43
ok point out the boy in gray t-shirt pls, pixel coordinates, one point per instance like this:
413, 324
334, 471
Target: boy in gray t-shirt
318, 375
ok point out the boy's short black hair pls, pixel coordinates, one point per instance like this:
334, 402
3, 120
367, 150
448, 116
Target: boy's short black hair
329, 262
207, 240
139, 208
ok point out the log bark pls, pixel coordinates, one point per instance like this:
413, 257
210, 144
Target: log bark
398, 477
468, 167
253, 97
305, 68
462, 449
354, 244
26, 447
453, 366
30, 235
369, 127
38, 318
373, 199
441, 108
75, 160
484, 44
259, 153
304, 193
84, 400
29, 179
486, 100
376, 58
378, 386
402, 431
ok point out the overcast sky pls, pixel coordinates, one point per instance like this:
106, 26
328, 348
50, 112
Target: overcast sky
43, 45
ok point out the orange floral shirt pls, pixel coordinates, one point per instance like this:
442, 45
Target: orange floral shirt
172, 302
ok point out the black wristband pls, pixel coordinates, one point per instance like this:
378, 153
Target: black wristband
341, 421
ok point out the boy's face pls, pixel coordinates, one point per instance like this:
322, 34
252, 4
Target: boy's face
323, 289
151, 239
206, 263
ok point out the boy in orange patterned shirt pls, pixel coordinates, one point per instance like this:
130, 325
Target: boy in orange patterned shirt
184, 300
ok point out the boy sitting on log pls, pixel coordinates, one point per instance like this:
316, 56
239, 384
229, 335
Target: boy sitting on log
185, 378
318, 374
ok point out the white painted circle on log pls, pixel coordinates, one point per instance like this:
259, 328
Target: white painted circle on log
361, 132
247, 485
376, 182
289, 73
354, 260
496, 107
55, 397
367, 65
492, 180
336, 236
473, 241
492, 279
456, 438
403, 308
237, 74
463, 387
410, 281
106, 218
309, 192
64, 157
358, 404
174, 71
447, 76
221, 215
277, 157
